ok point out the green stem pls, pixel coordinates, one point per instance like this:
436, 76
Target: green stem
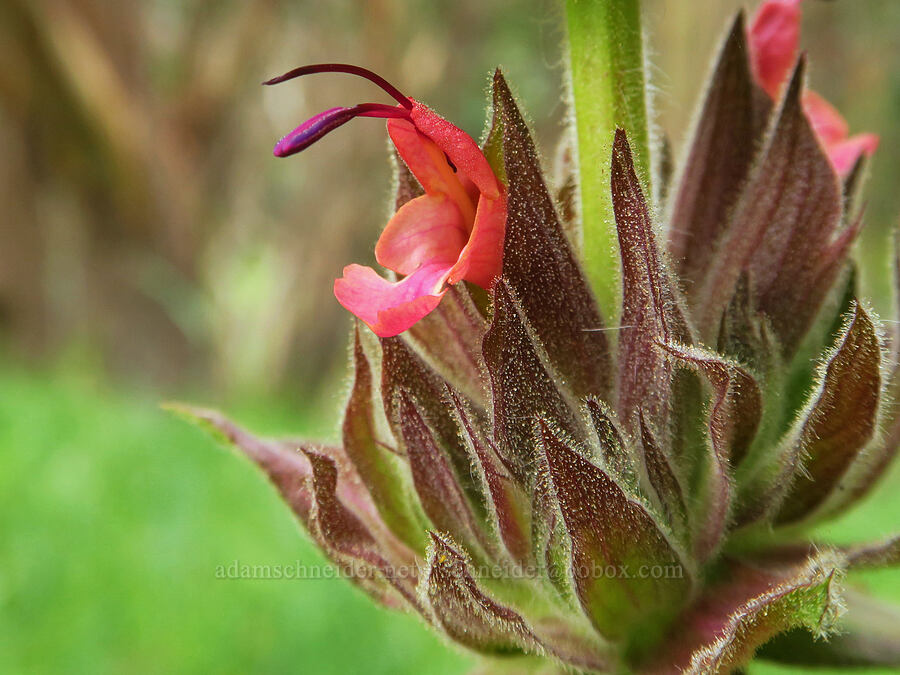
608, 90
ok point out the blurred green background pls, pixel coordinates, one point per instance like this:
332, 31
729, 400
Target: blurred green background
151, 248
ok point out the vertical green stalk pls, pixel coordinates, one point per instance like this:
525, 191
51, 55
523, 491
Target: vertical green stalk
608, 90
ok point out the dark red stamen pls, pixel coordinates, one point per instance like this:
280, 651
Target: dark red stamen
344, 68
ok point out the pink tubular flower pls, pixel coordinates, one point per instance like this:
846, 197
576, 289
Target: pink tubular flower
452, 233
774, 36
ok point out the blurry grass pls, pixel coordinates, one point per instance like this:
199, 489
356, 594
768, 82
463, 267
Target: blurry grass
114, 516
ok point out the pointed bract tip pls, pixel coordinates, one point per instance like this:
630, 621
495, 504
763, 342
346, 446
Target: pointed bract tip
739, 24
501, 85
799, 73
